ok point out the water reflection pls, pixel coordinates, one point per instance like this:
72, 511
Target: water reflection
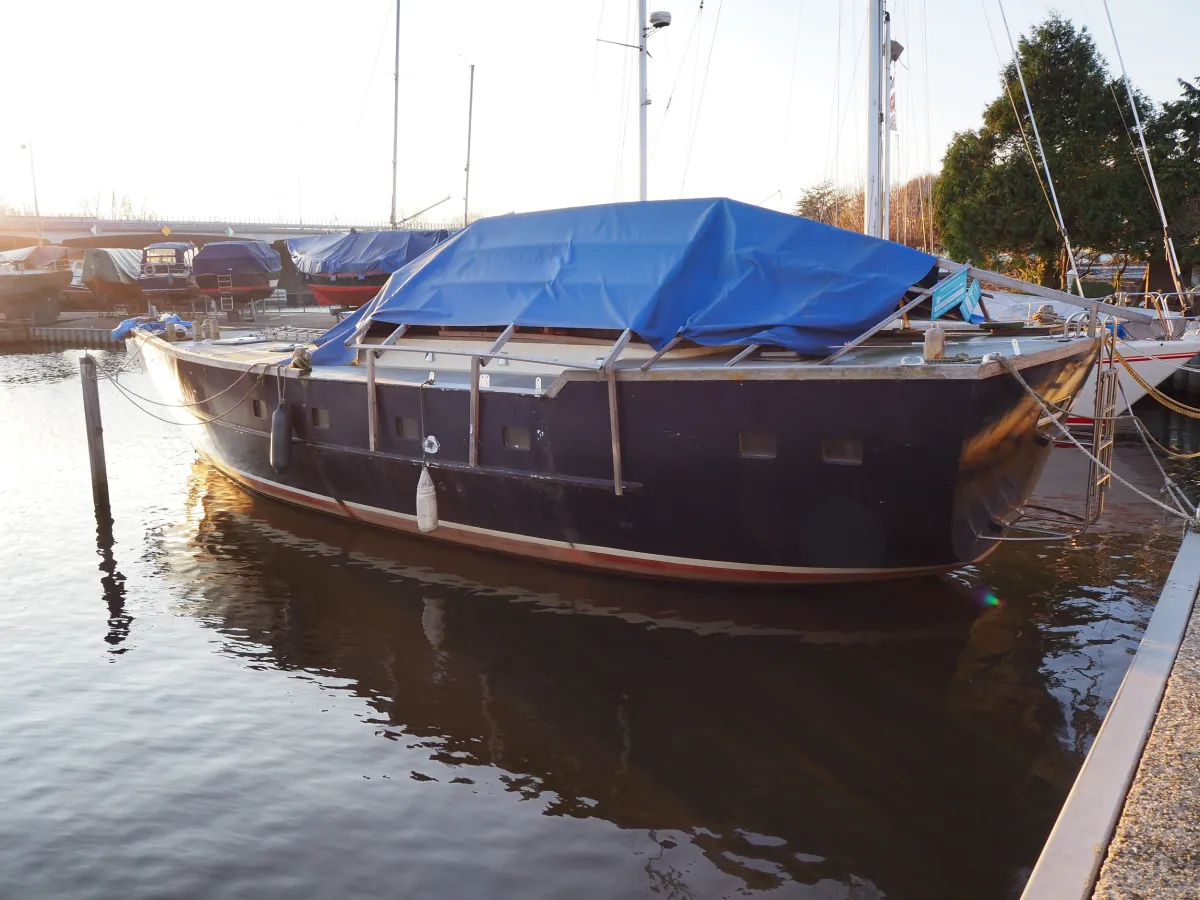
112, 584
873, 738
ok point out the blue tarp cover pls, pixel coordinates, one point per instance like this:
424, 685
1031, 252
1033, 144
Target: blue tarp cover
716, 271
241, 257
361, 252
125, 329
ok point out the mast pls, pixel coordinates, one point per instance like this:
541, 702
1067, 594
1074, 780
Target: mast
467, 170
872, 220
33, 178
396, 116
643, 99
886, 229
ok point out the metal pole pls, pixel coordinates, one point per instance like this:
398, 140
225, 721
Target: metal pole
33, 178
396, 116
1169, 244
95, 434
372, 404
643, 99
470, 115
473, 426
886, 230
871, 217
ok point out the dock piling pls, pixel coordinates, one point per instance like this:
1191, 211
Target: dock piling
95, 434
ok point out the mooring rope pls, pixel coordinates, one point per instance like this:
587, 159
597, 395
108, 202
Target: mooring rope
1193, 519
129, 395
1169, 402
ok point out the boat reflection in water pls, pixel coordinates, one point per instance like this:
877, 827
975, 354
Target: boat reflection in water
849, 738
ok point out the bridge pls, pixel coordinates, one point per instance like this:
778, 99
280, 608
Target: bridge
88, 231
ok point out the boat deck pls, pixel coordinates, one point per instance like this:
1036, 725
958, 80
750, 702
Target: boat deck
448, 359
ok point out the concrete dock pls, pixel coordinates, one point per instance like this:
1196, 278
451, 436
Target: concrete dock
1156, 849
1130, 828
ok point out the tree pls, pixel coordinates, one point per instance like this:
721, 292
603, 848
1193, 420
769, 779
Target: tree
910, 219
994, 205
1174, 142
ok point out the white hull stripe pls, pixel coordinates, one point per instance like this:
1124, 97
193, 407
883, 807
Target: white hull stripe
563, 551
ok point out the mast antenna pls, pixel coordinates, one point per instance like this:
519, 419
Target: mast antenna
396, 116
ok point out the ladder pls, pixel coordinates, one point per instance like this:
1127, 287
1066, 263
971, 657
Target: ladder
1104, 428
225, 289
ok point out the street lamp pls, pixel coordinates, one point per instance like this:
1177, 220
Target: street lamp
33, 178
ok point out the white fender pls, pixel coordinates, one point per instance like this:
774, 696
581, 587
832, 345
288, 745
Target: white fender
427, 516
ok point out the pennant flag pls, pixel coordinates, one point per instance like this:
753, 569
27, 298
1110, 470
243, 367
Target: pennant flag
949, 293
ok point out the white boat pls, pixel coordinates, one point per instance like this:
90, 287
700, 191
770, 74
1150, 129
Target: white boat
1154, 359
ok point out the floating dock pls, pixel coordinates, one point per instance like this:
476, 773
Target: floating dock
57, 336
1131, 825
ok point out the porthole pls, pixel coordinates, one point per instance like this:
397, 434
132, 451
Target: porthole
756, 444
516, 437
320, 417
842, 451
407, 428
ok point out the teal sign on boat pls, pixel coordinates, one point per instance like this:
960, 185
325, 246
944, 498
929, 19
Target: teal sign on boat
970, 304
949, 293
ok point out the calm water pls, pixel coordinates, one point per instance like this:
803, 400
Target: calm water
238, 699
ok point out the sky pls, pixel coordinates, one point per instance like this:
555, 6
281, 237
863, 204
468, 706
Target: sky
281, 110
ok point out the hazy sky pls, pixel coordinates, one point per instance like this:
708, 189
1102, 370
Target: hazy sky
273, 109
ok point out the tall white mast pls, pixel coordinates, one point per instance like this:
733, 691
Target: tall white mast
872, 218
467, 170
886, 229
643, 99
396, 116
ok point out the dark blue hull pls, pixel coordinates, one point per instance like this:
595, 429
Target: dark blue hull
945, 465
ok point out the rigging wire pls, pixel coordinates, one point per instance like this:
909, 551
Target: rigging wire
835, 105
787, 119
928, 130
679, 72
1168, 243
623, 121
700, 103
837, 146
1017, 115
1062, 225
383, 31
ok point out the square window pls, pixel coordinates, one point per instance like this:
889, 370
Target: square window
407, 429
842, 451
516, 437
756, 444
320, 417
260, 409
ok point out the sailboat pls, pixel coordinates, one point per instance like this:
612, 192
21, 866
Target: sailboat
344, 271
675, 388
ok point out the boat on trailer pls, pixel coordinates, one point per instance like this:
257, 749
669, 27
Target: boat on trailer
167, 276
682, 388
236, 273
348, 270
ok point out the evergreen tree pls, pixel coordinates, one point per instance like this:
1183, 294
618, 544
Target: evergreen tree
993, 204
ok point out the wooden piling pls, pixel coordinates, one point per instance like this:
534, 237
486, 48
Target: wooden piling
95, 433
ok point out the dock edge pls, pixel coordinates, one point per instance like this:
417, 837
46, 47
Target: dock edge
1078, 844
